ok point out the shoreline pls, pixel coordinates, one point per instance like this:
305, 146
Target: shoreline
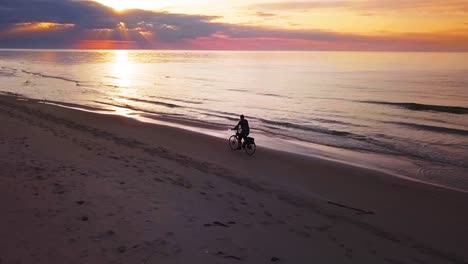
81, 187
295, 146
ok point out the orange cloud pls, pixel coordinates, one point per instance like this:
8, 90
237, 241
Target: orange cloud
21, 28
367, 5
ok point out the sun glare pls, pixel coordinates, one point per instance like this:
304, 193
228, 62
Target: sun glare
121, 5
118, 5
122, 68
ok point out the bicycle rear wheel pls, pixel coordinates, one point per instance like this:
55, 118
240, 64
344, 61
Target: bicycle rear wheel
250, 148
233, 142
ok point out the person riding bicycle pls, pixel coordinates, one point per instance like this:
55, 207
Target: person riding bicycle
243, 132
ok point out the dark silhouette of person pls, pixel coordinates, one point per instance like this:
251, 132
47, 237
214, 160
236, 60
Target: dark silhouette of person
243, 131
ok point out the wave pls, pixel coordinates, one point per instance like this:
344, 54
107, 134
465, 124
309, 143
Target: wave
273, 95
112, 77
224, 117
238, 90
354, 143
221, 114
12, 94
9, 68
7, 72
186, 121
50, 76
308, 128
445, 130
177, 100
73, 105
381, 144
423, 107
151, 102
161, 103
335, 122
121, 105
204, 110
409, 106
270, 94
330, 98
110, 85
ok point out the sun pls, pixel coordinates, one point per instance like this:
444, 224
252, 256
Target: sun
121, 5
118, 5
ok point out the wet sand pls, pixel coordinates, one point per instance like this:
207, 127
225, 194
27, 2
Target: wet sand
78, 187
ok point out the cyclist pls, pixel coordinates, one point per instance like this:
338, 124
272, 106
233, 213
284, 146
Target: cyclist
243, 132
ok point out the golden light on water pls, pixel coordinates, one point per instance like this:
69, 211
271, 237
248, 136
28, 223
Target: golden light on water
122, 72
122, 69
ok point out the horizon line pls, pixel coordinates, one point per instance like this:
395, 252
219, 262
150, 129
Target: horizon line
240, 50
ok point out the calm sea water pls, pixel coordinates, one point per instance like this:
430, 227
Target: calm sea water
406, 113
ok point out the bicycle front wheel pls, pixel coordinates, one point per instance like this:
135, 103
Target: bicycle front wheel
250, 149
233, 142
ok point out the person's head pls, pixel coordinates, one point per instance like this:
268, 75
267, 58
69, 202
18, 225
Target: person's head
242, 117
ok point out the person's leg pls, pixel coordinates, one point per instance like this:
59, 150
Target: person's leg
239, 139
244, 137
245, 140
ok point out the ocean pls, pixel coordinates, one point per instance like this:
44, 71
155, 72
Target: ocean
403, 113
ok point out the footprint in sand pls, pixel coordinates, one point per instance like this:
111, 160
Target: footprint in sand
232, 257
217, 223
122, 249
226, 256
158, 179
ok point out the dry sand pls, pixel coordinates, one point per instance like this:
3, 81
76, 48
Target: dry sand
78, 187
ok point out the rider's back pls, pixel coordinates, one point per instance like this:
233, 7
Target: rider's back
244, 124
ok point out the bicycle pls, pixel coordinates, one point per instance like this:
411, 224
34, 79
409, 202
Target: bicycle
249, 144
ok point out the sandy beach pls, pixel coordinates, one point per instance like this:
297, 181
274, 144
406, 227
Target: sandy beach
79, 187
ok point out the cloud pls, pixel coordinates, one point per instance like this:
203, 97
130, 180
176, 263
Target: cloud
265, 15
433, 5
305, 5
94, 20
87, 14
85, 24
367, 5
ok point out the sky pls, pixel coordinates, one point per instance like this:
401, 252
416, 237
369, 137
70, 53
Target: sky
356, 25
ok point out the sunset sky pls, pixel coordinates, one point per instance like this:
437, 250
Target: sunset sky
398, 25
